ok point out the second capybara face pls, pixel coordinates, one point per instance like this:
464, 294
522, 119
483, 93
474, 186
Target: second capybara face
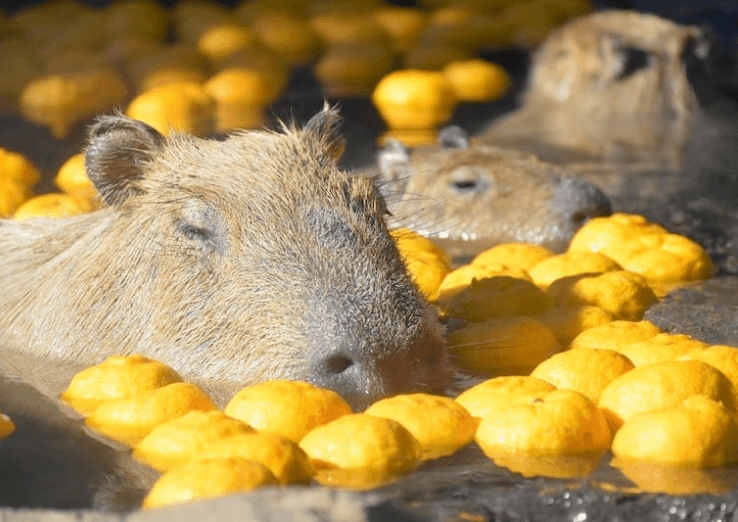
469, 196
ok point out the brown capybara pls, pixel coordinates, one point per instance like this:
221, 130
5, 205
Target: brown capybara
626, 100
610, 84
468, 195
234, 261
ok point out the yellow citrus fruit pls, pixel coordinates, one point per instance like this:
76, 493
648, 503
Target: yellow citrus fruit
403, 24
662, 385
382, 448
353, 69
12, 196
410, 137
560, 422
414, 99
523, 255
291, 37
671, 260
166, 64
587, 371
136, 18
175, 107
456, 24
503, 346
21, 66
568, 321
496, 296
615, 334
15, 167
432, 53
60, 100
129, 48
724, 358
7, 426
53, 204
287, 408
72, 178
249, 85
142, 18
129, 420
117, 377
569, 264
181, 439
661, 347
699, 432
645, 248
427, 263
344, 26
191, 17
463, 276
477, 80
241, 94
441, 425
613, 233
487, 397
208, 478
624, 294
284, 458
221, 40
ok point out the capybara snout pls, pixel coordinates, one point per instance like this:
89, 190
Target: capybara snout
234, 261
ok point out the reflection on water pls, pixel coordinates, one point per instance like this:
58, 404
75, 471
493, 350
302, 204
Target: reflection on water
467, 470
552, 466
676, 480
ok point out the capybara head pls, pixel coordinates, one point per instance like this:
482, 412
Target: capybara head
469, 196
237, 260
613, 84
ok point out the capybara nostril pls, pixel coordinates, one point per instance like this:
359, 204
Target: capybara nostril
337, 363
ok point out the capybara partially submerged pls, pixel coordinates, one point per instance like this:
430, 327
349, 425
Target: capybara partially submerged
611, 84
233, 261
626, 100
468, 195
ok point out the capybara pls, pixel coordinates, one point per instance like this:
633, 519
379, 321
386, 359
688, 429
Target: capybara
626, 100
468, 195
234, 261
610, 84
237, 260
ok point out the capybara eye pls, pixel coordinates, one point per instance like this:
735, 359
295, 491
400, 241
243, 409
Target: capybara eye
465, 185
634, 59
195, 233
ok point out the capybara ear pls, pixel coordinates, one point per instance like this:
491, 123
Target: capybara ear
453, 137
323, 127
395, 168
117, 151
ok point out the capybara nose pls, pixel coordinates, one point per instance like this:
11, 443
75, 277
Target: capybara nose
578, 201
337, 363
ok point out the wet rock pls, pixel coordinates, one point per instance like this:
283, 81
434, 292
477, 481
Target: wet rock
707, 311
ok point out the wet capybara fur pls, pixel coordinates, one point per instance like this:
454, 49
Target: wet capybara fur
611, 84
626, 100
468, 195
234, 261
